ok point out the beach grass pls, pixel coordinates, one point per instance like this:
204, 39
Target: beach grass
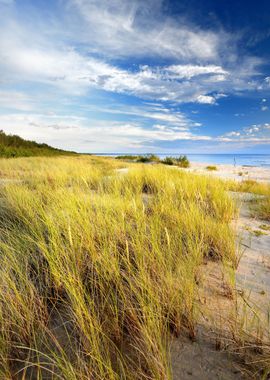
260, 205
99, 269
211, 168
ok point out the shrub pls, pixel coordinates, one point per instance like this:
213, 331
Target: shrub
129, 157
168, 161
183, 162
147, 158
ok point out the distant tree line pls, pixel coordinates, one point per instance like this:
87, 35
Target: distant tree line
15, 146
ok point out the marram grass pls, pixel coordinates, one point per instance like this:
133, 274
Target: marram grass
99, 269
260, 206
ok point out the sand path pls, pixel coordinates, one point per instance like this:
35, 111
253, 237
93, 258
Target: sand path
208, 357
253, 272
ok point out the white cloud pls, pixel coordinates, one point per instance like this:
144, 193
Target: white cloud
264, 108
148, 112
190, 71
102, 136
256, 133
16, 100
72, 132
92, 46
41, 54
206, 99
123, 28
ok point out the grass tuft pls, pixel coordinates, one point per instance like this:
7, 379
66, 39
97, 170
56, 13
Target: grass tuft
99, 270
211, 168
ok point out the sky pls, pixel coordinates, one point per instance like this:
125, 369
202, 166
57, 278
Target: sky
103, 76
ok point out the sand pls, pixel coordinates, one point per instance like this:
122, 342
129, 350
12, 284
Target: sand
253, 272
238, 172
201, 359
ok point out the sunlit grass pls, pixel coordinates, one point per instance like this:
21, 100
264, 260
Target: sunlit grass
260, 205
99, 268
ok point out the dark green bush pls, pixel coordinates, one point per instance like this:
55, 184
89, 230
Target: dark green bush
127, 157
183, 162
211, 168
168, 161
148, 158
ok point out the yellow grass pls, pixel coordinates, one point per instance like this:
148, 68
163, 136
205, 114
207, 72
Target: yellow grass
99, 268
261, 205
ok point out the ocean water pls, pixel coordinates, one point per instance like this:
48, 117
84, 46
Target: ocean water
261, 160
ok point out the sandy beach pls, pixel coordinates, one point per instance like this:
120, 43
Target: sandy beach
238, 172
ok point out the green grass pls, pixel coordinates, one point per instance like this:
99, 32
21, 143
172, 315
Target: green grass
146, 158
168, 161
128, 157
99, 270
14, 146
181, 161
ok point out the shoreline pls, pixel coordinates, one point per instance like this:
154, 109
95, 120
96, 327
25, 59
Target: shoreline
233, 172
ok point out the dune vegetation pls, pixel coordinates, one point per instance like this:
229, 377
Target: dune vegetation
15, 146
211, 168
260, 205
181, 161
100, 267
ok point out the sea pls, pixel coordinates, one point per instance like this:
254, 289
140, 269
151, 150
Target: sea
260, 160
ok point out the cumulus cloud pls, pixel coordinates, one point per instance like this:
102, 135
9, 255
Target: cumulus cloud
206, 99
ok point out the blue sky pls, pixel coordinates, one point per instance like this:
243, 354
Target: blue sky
183, 76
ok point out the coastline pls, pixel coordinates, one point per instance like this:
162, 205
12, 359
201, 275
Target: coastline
228, 171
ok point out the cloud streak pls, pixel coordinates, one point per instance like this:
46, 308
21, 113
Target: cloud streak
126, 29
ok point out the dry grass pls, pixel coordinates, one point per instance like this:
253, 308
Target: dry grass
100, 269
260, 205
